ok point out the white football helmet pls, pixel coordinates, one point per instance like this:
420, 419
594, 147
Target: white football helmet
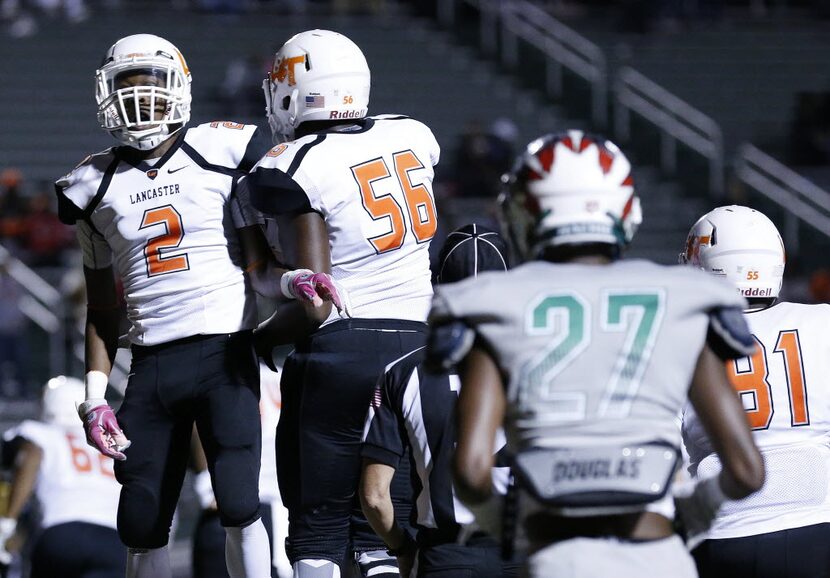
569, 188
741, 244
317, 75
61, 395
155, 104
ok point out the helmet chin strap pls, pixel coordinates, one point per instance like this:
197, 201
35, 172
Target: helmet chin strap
149, 140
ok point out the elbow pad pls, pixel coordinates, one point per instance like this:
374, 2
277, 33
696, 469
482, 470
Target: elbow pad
729, 335
447, 345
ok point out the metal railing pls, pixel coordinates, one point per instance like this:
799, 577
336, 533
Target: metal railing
676, 119
563, 47
45, 307
42, 304
801, 199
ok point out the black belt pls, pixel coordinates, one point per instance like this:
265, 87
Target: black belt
546, 528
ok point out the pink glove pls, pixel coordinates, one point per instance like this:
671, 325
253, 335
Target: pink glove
327, 288
314, 288
102, 429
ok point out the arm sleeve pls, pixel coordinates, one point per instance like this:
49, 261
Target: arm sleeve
97, 253
68, 212
243, 212
256, 149
275, 193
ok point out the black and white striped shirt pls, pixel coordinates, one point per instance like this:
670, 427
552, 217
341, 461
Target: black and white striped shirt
414, 408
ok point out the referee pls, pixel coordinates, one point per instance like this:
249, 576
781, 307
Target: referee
415, 409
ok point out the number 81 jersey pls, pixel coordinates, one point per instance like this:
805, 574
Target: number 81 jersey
168, 228
785, 393
371, 182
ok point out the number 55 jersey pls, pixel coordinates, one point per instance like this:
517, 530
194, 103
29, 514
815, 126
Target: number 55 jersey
168, 228
784, 390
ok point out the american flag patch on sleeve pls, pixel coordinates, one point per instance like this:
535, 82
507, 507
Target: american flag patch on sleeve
377, 398
315, 101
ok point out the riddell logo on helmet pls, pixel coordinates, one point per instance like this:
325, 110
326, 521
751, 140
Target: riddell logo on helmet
347, 114
757, 292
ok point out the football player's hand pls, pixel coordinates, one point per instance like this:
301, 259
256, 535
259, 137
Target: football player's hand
330, 290
102, 429
314, 288
7, 528
698, 503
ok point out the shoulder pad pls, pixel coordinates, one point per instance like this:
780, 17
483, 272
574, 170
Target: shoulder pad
729, 335
78, 188
226, 143
447, 344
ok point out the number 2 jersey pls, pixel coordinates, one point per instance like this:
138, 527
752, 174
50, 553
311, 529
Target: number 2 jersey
784, 390
168, 228
593, 355
371, 181
75, 483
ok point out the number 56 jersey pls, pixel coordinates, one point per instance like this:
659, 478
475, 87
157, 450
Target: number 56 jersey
168, 228
785, 390
371, 182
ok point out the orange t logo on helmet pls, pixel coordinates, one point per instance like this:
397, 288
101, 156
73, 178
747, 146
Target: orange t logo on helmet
285, 67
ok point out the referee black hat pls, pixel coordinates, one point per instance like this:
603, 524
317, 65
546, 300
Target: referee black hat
469, 251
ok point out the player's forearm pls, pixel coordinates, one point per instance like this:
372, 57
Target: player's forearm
25, 475
101, 339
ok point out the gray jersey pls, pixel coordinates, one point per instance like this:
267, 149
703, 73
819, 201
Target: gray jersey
593, 356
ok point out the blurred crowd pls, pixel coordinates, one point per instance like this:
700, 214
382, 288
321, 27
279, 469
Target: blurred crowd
31, 233
22, 17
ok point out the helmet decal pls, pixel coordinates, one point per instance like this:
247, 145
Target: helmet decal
285, 68
570, 188
740, 244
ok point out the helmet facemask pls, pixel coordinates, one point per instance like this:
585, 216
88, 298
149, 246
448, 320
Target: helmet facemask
143, 97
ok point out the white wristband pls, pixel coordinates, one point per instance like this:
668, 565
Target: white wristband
96, 384
288, 277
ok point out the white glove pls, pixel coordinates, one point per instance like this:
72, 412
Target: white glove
489, 517
7, 528
698, 502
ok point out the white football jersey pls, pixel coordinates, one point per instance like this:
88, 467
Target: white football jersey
75, 483
593, 356
372, 183
784, 390
168, 227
